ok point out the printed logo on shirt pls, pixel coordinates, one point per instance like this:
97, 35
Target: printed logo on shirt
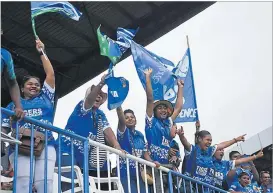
138, 152
92, 136
165, 141
33, 112
201, 171
219, 175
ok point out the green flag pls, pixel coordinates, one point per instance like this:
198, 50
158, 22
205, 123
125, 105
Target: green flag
105, 46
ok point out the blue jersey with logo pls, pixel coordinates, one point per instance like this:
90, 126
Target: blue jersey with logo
222, 167
40, 107
85, 122
159, 137
235, 177
199, 163
251, 188
7, 65
133, 143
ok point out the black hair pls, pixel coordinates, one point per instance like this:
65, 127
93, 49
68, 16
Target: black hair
232, 153
243, 174
201, 134
129, 111
26, 78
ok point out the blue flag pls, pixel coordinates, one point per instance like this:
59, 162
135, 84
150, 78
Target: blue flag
124, 36
183, 71
65, 8
118, 88
144, 59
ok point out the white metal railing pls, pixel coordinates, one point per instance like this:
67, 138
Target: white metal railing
85, 183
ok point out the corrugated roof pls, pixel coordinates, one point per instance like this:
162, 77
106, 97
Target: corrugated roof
72, 46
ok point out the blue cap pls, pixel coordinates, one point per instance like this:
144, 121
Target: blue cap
118, 88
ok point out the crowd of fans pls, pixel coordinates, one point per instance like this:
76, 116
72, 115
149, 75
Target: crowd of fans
202, 161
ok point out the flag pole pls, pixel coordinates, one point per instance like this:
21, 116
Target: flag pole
36, 37
190, 66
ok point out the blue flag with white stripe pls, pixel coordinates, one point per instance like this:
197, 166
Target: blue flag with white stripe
65, 8
183, 71
124, 36
144, 59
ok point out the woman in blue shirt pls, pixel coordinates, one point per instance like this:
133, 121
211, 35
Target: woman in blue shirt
37, 103
244, 185
132, 141
199, 156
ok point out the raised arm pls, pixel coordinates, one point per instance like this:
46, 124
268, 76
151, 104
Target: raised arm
249, 159
48, 68
91, 97
121, 119
226, 144
183, 139
179, 99
111, 138
149, 92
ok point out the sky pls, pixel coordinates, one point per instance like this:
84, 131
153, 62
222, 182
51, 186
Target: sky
231, 50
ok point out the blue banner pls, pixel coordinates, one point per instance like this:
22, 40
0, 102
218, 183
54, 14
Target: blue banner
143, 59
183, 71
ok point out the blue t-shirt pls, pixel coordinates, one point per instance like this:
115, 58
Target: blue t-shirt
40, 107
7, 65
158, 137
81, 122
235, 177
199, 163
134, 144
222, 167
237, 187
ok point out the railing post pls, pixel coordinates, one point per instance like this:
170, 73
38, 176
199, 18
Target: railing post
170, 182
31, 159
46, 156
72, 166
59, 164
85, 169
15, 159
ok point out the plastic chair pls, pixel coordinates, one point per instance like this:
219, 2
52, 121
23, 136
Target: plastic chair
78, 179
94, 180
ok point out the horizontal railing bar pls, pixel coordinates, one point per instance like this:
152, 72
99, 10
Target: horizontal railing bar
9, 139
120, 153
198, 182
46, 126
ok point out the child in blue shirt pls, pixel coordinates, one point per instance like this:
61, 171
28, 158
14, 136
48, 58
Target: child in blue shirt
222, 167
247, 167
244, 184
133, 142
